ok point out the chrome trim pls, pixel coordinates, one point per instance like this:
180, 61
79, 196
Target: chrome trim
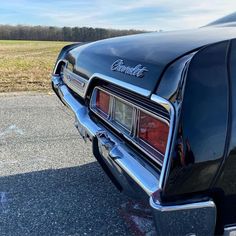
198, 218
135, 120
189, 206
173, 112
57, 64
113, 117
230, 230
128, 135
75, 82
162, 102
127, 86
137, 70
170, 108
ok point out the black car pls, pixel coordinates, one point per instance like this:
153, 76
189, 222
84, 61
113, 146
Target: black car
160, 111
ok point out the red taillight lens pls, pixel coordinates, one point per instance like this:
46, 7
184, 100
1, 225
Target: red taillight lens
103, 101
153, 131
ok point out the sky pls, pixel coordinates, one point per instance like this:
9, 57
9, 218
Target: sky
153, 15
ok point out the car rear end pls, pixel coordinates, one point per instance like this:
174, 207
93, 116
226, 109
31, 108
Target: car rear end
131, 136
128, 97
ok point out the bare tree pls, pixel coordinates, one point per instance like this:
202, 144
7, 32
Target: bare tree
75, 34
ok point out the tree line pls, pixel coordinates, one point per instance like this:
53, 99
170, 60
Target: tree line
50, 33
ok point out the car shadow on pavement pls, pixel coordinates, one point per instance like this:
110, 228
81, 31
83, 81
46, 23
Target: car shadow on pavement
71, 201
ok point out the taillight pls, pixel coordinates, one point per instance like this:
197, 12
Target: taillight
153, 131
147, 131
103, 102
123, 114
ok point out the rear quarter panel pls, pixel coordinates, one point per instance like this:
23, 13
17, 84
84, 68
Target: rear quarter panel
226, 182
199, 147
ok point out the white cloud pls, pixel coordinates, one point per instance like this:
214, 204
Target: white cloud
141, 14
182, 14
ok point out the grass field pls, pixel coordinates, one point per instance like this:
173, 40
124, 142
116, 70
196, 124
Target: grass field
27, 65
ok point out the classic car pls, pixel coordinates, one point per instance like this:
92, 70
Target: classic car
160, 112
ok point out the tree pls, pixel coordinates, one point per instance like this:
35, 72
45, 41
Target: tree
51, 33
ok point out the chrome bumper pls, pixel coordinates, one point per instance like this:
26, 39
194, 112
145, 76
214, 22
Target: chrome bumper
135, 176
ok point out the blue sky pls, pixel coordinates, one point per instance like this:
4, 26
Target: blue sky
122, 14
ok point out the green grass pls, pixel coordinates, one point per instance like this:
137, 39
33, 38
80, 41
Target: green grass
27, 65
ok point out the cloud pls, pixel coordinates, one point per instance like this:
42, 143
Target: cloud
124, 14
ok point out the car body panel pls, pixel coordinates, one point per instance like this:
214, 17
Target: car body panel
202, 130
226, 184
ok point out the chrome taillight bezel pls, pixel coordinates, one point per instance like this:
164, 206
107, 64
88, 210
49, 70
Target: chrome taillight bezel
130, 135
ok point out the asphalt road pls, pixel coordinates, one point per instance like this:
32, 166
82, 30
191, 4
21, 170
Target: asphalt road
50, 184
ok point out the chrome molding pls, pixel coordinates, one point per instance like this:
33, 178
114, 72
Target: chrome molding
77, 83
137, 70
127, 86
230, 230
163, 102
173, 113
57, 64
197, 218
170, 108
189, 206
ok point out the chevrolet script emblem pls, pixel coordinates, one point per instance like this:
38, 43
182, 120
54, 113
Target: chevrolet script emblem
137, 71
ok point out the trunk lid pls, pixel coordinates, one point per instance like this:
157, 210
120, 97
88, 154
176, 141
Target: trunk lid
153, 52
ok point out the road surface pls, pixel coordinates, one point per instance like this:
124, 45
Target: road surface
50, 184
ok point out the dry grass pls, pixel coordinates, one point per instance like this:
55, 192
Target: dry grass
27, 65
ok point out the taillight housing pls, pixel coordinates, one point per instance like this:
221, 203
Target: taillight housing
153, 131
146, 130
103, 102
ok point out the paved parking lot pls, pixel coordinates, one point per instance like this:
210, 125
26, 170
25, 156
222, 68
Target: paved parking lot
50, 184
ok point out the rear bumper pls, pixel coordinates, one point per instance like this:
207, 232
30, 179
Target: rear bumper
135, 176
